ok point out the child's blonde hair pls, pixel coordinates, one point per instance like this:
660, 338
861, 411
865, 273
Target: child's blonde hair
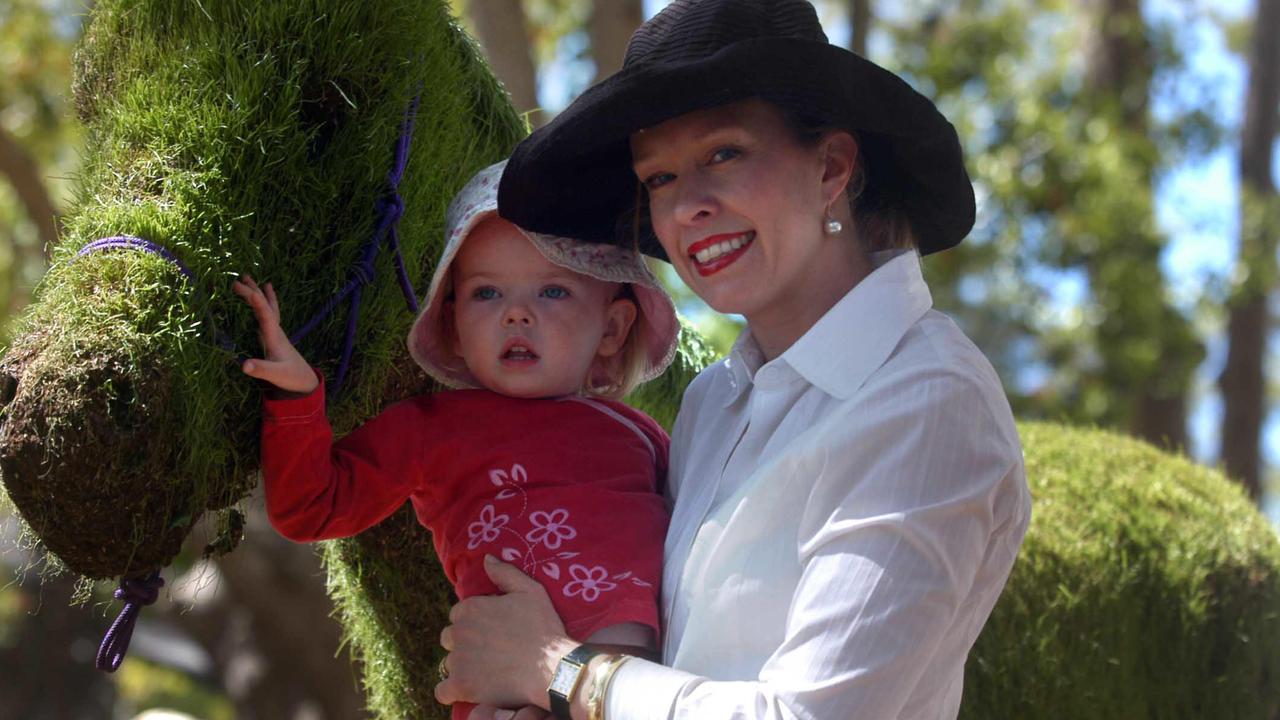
628, 367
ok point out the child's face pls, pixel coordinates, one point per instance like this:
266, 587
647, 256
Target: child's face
524, 326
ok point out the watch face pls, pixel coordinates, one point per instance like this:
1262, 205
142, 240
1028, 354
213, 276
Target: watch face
562, 681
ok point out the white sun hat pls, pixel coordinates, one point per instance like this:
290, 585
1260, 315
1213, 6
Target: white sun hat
656, 323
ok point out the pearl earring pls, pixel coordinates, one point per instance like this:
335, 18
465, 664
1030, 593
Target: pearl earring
832, 226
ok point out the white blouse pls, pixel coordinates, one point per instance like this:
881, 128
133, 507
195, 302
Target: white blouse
845, 517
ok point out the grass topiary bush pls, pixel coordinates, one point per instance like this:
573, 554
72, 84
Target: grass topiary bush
242, 136
1147, 587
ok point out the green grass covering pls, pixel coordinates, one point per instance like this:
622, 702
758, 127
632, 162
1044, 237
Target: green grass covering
244, 136
1148, 587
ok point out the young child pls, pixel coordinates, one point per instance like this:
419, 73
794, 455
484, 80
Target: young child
537, 463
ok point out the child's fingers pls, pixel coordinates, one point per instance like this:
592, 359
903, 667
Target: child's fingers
271, 299
249, 291
266, 315
242, 289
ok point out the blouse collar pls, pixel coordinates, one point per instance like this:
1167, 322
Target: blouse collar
853, 338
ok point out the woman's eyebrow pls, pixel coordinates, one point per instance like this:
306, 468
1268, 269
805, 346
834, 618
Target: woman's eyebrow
696, 136
640, 158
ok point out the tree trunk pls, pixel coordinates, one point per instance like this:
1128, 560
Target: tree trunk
1243, 382
23, 173
505, 40
610, 28
1119, 73
860, 25
47, 648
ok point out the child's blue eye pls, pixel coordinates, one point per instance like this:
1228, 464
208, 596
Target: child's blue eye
555, 292
484, 293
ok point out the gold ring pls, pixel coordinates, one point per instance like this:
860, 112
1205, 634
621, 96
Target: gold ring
442, 670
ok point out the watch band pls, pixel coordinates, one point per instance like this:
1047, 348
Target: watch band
600, 681
567, 678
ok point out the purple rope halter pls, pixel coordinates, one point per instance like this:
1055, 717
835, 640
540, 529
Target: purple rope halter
129, 242
135, 243
390, 207
136, 593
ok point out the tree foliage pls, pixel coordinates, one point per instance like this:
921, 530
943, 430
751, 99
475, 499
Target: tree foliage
1065, 170
38, 142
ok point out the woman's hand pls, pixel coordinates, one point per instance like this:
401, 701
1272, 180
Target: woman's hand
283, 366
504, 648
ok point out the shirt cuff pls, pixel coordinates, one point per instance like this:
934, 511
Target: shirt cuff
280, 405
643, 690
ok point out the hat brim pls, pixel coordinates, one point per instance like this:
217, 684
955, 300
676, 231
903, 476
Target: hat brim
573, 176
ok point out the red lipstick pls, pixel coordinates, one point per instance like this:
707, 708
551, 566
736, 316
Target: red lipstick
717, 263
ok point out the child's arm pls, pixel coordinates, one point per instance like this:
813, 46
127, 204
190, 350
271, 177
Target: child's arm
283, 366
317, 489
630, 638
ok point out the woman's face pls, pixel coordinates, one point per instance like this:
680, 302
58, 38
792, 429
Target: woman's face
738, 204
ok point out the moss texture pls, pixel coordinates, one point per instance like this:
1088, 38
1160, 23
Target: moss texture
1148, 587
243, 136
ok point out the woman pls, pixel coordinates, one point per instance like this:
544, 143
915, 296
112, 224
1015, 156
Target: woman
847, 486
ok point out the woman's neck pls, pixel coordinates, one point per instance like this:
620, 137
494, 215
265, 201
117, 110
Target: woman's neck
778, 327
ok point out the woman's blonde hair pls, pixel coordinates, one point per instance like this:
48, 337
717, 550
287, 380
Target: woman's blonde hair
880, 220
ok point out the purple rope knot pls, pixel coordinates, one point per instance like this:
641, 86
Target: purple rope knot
136, 593
390, 207
140, 591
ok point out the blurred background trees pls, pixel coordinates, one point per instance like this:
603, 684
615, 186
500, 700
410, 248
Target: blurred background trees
1122, 274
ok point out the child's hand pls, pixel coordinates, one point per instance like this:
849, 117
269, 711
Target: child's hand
282, 366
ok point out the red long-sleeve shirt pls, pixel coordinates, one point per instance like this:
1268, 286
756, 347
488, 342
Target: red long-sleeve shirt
567, 489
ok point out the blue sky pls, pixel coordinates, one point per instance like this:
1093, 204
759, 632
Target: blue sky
1196, 204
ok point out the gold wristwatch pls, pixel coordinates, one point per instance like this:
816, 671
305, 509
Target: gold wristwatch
568, 678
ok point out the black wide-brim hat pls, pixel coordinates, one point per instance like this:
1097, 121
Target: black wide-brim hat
573, 176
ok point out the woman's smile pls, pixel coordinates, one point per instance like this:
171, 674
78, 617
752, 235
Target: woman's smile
713, 254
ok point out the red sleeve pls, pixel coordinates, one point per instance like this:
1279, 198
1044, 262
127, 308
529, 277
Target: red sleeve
317, 489
658, 436
662, 446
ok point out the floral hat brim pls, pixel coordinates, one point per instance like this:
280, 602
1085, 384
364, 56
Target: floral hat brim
656, 320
